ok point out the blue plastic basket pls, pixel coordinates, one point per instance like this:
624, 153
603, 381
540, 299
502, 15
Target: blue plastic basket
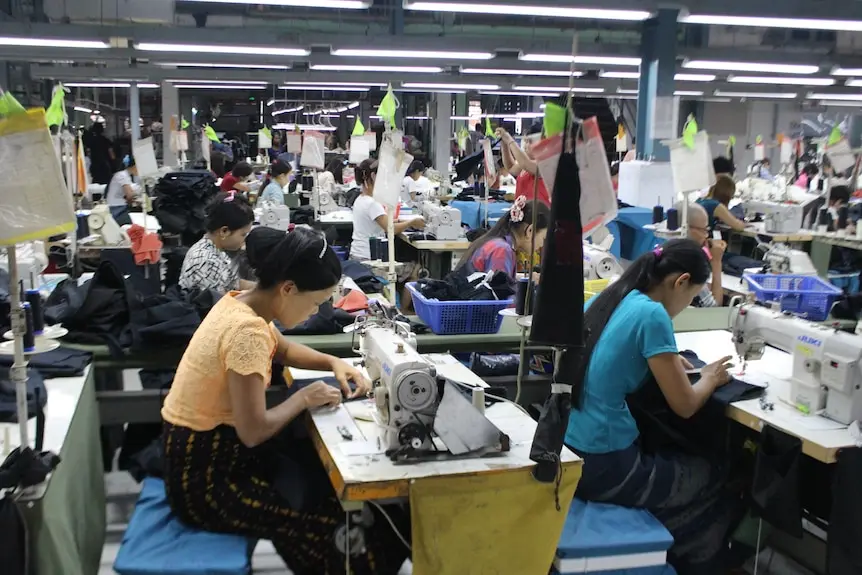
459, 317
809, 296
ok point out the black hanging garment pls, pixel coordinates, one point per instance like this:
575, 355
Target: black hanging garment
843, 551
180, 203
560, 295
775, 491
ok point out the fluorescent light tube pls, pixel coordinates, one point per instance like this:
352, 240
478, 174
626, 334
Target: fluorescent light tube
238, 82
316, 127
529, 10
530, 115
85, 110
436, 86
768, 95
411, 54
694, 77
836, 97
717, 100
151, 86
846, 71
621, 75
751, 67
288, 110
221, 49
338, 4
431, 90
688, 93
567, 59
366, 68
515, 72
537, 94
270, 102
416, 118
853, 83
626, 91
560, 89
218, 87
97, 85
322, 88
781, 80
213, 65
841, 103
52, 43
337, 84
768, 22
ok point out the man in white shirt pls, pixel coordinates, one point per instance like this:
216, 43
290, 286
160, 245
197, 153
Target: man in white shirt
121, 192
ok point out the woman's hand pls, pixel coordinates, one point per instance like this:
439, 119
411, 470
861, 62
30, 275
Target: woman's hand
418, 223
345, 373
717, 371
686, 364
319, 394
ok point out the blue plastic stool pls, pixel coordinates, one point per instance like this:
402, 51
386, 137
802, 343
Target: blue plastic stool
612, 540
156, 543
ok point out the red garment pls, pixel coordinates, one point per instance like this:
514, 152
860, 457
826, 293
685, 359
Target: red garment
524, 187
146, 247
228, 182
354, 301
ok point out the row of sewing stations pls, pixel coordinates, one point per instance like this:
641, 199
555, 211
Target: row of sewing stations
353, 446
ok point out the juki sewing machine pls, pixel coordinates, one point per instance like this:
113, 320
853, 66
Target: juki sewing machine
442, 221
275, 216
423, 416
782, 259
102, 223
600, 264
827, 363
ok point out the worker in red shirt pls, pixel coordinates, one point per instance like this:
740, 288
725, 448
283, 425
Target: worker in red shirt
521, 164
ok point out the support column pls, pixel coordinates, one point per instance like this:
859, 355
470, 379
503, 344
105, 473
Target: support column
135, 112
658, 66
442, 131
170, 120
460, 110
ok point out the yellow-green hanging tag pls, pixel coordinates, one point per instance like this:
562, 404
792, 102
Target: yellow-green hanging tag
731, 142
55, 115
834, 136
267, 131
387, 107
9, 105
689, 131
185, 124
555, 119
358, 128
210, 133
488, 131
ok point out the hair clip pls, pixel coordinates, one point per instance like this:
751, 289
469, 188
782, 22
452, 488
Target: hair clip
708, 253
657, 251
516, 212
230, 196
323, 249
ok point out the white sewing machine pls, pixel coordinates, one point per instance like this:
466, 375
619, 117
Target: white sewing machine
600, 264
442, 221
783, 206
417, 411
275, 216
782, 259
322, 201
102, 223
827, 364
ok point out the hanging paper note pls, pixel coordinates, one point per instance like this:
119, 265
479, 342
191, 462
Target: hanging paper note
358, 128
834, 136
264, 139
555, 119
145, 157
759, 149
689, 131
387, 107
622, 140
462, 136
210, 133
786, 147
488, 131
490, 164
185, 124
55, 115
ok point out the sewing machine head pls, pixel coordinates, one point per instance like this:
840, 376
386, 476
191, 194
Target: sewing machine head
600, 263
102, 223
827, 363
275, 216
442, 221
782, 259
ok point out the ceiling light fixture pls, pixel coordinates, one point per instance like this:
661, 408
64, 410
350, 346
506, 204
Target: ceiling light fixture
562, 90
337, 84
626, 91
694, 77
51, 43
768, 22
781, 80
536, 94
853, 83
434, 54
843, 104
594, 60
288, 110
97, 85
528, 10
366, 68
767, 95
530, 115
219, 87
751, 67
337, 4
688, 93
620, 75
436, 86
836, 97
431, 90
221, 49
324, 88
315, 127
516, 72
213, 65
416, 118
846, 71
85, 110
237, 82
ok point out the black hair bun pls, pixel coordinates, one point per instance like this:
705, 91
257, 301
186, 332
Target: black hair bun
260, 243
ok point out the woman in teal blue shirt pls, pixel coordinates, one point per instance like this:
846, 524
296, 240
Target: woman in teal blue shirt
272, 189
633, 339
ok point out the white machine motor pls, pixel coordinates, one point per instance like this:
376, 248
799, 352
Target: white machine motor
600, 264
101, 222
442, 221
782, 259
827, 373
275, 216
323, 202
415, 409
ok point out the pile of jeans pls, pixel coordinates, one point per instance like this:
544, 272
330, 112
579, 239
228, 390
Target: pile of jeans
180, 202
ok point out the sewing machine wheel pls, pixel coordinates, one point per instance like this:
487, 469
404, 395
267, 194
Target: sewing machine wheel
416, 391
269, 217
412, 435
95, 221
445, 218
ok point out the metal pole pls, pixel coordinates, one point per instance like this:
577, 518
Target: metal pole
18, 372
135, 112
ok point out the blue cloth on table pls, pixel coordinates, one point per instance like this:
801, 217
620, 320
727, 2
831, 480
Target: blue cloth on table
615, 540
473, 213
156, 543
634, 240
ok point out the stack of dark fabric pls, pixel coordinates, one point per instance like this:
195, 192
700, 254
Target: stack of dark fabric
456, 287
181, 199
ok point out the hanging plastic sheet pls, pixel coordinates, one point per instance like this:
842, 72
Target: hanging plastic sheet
294, 143
598, 201
392, 164
313, 150
264, 139
359, 149
691, 160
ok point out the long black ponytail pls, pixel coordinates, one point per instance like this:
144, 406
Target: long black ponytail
645, 273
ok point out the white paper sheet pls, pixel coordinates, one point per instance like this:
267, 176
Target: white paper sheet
145, 157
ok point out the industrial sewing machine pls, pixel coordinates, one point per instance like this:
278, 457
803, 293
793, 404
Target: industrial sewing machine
442, 221
423, 417
102, 223
275, 216
827, 364
599, 263
782, 259
784, 207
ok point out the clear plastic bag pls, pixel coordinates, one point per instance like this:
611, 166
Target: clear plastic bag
392, 164
313, 151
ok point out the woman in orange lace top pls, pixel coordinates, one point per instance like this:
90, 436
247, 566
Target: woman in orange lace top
223, 462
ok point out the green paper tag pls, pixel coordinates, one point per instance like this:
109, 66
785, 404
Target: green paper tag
387, 107
210, 133
55, 115
689, 131
9, 105
358, 128
834, 136
185, 124
555, 119
488, 131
